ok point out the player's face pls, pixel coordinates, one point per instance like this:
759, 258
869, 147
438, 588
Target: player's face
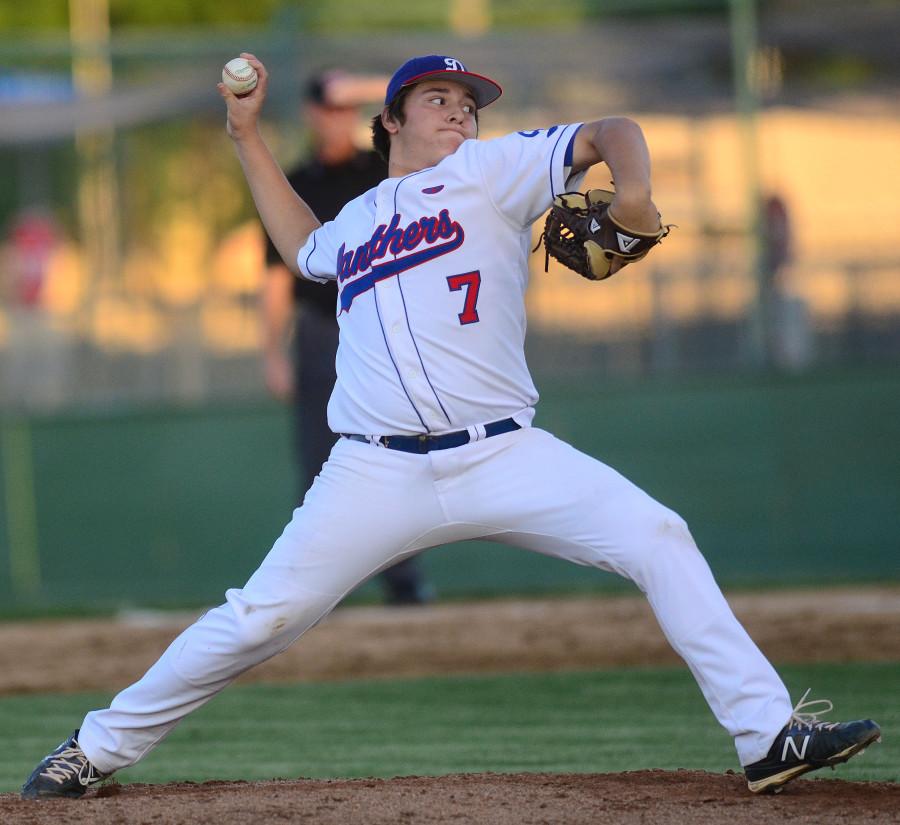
440, 115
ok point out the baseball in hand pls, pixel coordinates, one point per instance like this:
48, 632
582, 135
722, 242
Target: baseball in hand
239, 76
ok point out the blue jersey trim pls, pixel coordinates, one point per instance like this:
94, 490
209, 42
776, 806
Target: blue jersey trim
311, 251
570, 149
553, 191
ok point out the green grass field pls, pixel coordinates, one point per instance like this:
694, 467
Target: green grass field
601, 721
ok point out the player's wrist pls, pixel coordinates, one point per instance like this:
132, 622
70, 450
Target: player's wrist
244, 133
633, 197
639, 214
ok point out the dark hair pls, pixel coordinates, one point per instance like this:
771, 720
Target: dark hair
381, 138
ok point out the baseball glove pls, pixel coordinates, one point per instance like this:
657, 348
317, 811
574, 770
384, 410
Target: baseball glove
582, 235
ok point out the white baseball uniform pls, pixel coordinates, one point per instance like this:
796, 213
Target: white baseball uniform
432, 271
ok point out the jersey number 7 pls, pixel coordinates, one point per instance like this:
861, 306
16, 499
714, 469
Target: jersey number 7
472, 283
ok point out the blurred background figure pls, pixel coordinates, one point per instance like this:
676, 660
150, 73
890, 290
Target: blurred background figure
37, 351
300, 333
789, 340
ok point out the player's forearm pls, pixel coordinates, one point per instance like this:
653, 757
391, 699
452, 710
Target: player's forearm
286, 217
621, 144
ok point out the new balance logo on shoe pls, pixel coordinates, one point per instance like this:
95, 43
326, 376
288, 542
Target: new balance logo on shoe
790, 742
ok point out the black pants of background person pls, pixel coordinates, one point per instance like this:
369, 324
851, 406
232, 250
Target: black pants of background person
316, 342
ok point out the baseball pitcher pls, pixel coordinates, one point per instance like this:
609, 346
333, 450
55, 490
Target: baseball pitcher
434, 404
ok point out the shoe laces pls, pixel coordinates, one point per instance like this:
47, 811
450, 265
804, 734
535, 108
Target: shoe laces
804, 716
70, 763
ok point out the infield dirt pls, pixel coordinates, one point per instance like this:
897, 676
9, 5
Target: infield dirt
845, 625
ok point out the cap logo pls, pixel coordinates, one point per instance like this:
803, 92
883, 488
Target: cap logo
453, 64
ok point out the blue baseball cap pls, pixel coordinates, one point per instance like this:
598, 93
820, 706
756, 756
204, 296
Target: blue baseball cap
417, 69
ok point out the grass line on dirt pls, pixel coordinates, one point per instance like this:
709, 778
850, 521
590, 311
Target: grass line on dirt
599, 721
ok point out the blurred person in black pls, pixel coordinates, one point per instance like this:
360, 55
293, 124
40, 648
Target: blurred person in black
299, 316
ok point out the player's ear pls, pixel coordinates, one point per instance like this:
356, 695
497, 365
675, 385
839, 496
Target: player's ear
388, 121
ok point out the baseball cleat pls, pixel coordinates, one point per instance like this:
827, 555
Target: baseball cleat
806, 744
65, 772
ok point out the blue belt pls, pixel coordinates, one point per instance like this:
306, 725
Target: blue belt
427, 443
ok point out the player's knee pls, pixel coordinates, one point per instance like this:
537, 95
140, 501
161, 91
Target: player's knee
263, 627
257, 630
663, 537
672, 529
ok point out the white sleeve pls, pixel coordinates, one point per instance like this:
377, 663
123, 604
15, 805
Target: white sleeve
317, 258
524, 171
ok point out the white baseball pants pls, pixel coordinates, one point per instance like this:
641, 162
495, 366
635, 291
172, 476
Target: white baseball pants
371, 506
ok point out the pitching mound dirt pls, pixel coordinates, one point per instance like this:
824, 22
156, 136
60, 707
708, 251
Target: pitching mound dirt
645, 797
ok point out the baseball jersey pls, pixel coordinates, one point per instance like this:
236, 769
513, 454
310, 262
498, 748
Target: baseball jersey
431, 272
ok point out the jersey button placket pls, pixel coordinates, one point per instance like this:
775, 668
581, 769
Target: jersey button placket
406, 355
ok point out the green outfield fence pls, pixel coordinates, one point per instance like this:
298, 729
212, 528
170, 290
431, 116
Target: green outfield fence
783, 480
